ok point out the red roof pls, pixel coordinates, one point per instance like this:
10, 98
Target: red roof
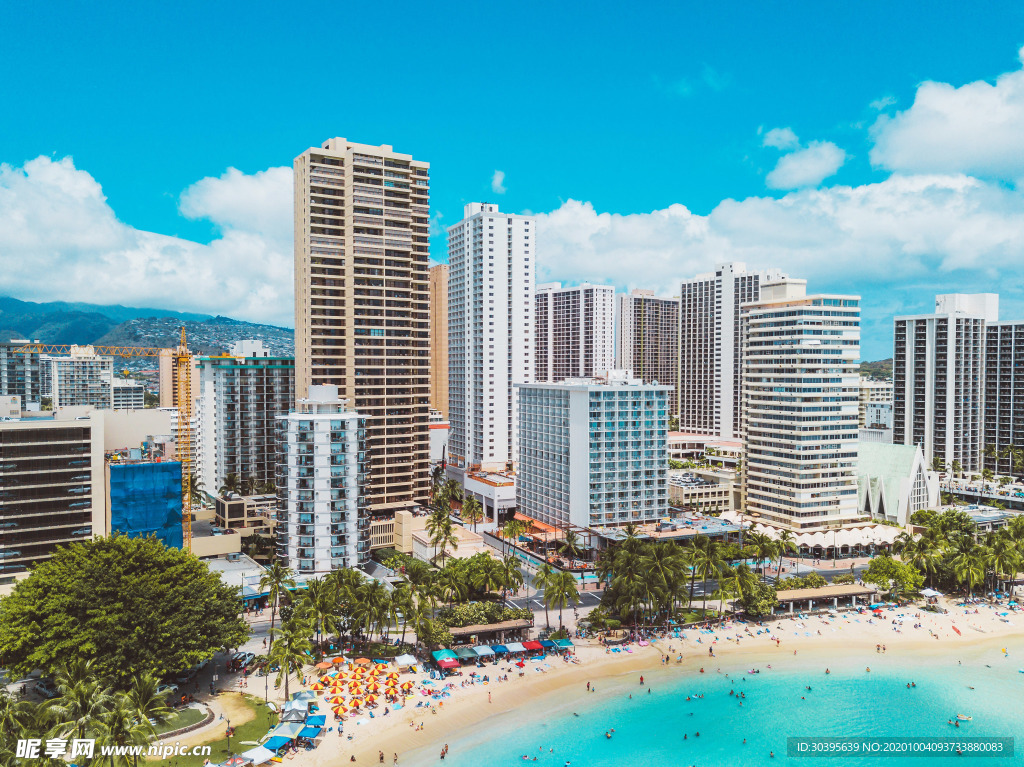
532, 645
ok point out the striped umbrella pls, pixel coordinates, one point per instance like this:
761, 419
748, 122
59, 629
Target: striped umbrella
356, 702
407, 685
340, 710
317, 686
337, 699
371, 698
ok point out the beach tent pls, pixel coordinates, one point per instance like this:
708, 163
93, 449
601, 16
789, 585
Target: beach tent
448, 663
295, 711
304, 695
565, 644
547, 644
276, 743
258, 755
499, 649
483, 650
310, 732
287, 730
930, 593
316, 721
444, 655
235, 761
466, 653
533, 645
406, 660
515, 647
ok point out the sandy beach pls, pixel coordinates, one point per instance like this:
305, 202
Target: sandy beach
818, 641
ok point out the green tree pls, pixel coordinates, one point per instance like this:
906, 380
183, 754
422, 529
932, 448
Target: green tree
195, 490
710, 564
511, 576
760, 600
563, 591
131, 605
543, 579
291, 650
81, 702
472, 511
321, 594
489, 578
120, 725
231, 484
893, 576
276, 581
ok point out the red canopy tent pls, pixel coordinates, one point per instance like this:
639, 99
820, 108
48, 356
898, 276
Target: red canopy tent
448, 663
533, 645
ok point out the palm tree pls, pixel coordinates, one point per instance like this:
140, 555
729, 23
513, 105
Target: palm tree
144, 699
1005, 558
562, 592
968, 563
710, 563
436, 522
443, 536
452, 586
436, 478
472, 511
488, 578
195, 490
570, 546
785, 542
511, 576
250, 485
122, 726
371, 608
512, 530
321, 595
81, 700
739, 582
275, 581
543, 579
232, 484
292, 648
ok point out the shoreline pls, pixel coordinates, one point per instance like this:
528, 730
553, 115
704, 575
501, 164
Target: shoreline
828, 641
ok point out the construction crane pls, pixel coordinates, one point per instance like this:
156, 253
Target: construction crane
183, 377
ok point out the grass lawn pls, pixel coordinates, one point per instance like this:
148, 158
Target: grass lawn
182, 718
263, 719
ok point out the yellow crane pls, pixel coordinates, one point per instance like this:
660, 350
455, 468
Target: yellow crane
183, 376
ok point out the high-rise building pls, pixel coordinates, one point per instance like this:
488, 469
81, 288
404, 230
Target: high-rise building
800, 358
1004, 395
362, 313
143, 498
872, 392
575, 331
492, 257
939, 379
167, 379
20, 374
647, 340
709, 347
322, 518
439, 338
82, 378
240, 396
128, 395
593, 452
51, 488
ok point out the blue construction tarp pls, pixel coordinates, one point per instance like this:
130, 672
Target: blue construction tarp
145, 499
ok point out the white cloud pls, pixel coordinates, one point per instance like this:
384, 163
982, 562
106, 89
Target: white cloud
973, 129
806, 167
883, 103
498, 182
781, 138
954, 230
60, 240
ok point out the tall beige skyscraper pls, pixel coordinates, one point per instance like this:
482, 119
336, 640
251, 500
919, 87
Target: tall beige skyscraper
439, 338
362, 320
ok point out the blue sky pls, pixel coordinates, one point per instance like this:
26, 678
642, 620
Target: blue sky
601, 117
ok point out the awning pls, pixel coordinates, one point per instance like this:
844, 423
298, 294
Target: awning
287, 730
448, 663
406, 660
442, 654
500, 649
547, 644
515, 647
304, 695
466, 653
316, 721
533, 645
258, 755
275, 744
483, 650
930, 593
565, 643
310, 732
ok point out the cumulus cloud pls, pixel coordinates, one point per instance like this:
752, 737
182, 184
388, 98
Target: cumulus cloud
781, 138
883, 103
60, 240
973, 129
806, 167
498, 182
904, 230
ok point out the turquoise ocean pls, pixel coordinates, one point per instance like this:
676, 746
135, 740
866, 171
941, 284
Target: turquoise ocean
661, 727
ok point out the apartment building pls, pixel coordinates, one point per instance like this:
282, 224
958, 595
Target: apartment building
1004, 395
592, 452
800, 357
20, 373
647, 339
439, 339
51, 488
709, 380
492, 260
575, 331
939, 379
323, 520
241, 394
82, 379
872, 392
362, 314
128, 395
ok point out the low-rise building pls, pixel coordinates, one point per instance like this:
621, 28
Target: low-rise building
893, 482
10, 407
128, 395
246, 514
440, 428
496, 492
704, 491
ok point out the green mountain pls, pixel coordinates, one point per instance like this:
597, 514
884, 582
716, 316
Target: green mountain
881, 369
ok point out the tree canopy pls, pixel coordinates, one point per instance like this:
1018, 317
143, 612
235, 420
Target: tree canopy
131, 605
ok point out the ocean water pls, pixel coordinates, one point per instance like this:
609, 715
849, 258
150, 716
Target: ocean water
661, 727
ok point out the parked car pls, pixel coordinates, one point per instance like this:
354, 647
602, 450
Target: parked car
186, 676
167, 690
46, 688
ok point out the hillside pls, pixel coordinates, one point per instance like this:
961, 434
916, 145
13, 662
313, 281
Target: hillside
879, 369
212, 336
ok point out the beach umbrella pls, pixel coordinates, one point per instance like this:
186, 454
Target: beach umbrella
373, 686
407, 685
363, 661
393, 675
336, 661
356, 702
317, 686
340, 710
371, 698
336, 699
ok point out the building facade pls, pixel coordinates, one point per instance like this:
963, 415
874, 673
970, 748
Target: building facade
439, 338
1004, 396
593, 452
144, 498
240, 397
939, 379
492, 260
893, 481
709, 379
799, 416
323, 519
575, 331
51, 488
20, 374
128, 395
647, 339
82, 379
362, 311
872, 392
